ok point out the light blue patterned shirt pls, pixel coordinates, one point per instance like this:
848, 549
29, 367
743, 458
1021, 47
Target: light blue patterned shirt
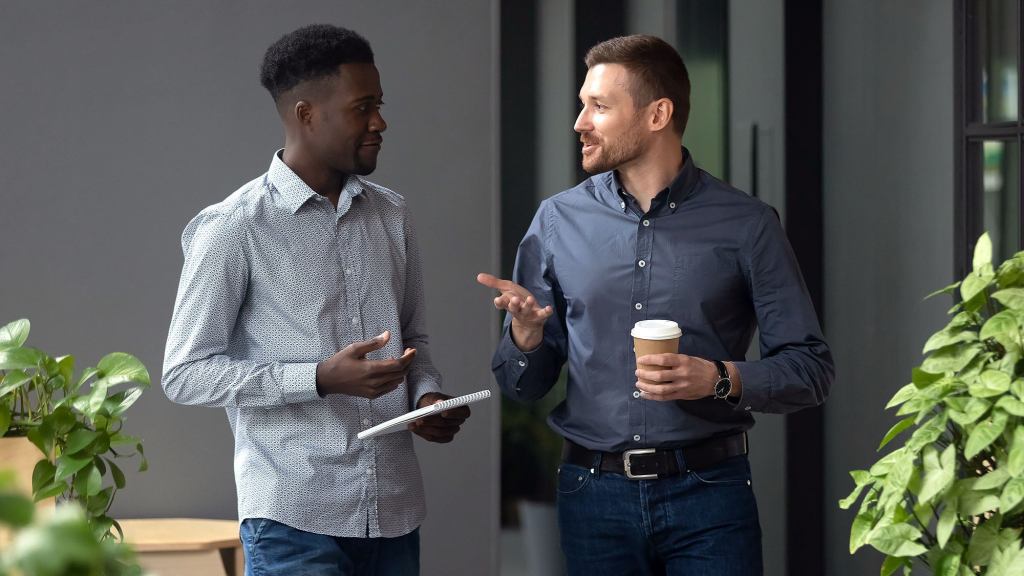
276, 280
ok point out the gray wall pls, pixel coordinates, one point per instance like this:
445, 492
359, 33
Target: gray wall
888, 222
124, 119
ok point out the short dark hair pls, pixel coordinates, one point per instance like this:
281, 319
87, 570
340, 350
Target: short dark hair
310, 53
657, 70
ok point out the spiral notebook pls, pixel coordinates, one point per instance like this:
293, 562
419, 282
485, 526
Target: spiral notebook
399, 423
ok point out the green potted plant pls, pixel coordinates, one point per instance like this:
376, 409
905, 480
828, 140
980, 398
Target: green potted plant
74, 423
950, 496
60, 544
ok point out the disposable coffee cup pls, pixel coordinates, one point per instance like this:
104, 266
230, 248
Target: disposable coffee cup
655, 337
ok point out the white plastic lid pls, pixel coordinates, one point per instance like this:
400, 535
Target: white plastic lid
656, 330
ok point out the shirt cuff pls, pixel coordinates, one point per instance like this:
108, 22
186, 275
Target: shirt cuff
511, 360
756, 379
420, 384
299, 383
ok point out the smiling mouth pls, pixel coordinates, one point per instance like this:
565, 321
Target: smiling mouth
374, 144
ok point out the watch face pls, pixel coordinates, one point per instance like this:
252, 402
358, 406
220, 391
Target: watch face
723, 387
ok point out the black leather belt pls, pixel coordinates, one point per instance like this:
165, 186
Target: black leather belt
653, 463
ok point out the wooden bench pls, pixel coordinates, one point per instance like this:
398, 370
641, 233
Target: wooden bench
186, 546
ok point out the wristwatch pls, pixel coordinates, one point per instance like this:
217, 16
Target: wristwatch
724, 385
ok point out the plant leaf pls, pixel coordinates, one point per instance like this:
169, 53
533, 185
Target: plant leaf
984, 434
859, 530
947, 521
67, 466
895, 431
977, 503
990, 383
983, 543
118, 368
19, 358
1004, 322
42, 475
945, 338
902, 395
951, 289
117, 474
1012, 495
5, 418
976, 408
993, 479
949, 565
938, 475
15, 509
15, 334
1012, 298
12, 380
982, 251
892, 564
1015, 460
951, 358
1011, 405
79, 439
897, 540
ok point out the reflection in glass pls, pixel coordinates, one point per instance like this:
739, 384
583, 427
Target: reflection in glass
1001, 201
994, 33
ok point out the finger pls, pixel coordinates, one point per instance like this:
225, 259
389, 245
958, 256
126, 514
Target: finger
494, 282
656, 388
654, 375
667, 360
361, 349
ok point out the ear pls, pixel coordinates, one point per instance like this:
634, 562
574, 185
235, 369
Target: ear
660, 114
303, 112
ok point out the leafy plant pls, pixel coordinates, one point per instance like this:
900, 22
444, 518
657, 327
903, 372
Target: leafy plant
952, 496
62, 544
75, 422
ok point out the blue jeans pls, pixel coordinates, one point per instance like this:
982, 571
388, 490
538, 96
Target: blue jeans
699, 523
272, 548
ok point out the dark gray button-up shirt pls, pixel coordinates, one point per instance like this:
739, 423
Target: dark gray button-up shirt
707, 256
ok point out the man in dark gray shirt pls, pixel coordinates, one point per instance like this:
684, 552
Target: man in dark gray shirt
655, 478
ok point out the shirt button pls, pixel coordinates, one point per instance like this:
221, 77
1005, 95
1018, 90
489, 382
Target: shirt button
636, 394
355, 320
638, 306
366, 422
642, 263
671, 204
369, 471
747, 408
522, 363
636, 438
647, 222
622, 204
348, 270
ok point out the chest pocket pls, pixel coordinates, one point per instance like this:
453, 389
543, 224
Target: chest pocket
706, 278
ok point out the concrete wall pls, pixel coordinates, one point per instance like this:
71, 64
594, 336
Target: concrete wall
888, 222
123, 119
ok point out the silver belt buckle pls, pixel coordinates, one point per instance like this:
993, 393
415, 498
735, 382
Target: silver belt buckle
626, 464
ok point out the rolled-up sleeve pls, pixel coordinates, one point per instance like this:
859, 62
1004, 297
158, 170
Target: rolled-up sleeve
796, 367
214, 280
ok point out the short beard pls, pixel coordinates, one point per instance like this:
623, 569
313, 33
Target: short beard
627, 148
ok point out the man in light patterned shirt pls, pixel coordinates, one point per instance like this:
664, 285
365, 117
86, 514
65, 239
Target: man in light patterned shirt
300, 311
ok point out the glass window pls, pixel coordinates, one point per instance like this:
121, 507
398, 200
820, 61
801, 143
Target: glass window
994, 68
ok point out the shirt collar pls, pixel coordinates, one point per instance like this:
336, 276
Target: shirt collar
295, 192
678, 190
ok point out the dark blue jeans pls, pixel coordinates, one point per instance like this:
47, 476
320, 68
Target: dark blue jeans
272, 548
699, 523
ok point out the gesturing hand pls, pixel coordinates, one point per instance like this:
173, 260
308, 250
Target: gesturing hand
349, 372
439, 427
527, 317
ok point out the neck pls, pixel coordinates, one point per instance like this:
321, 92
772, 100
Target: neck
324, 180
651, 173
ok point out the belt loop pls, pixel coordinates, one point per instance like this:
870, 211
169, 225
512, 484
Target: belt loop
595, 464
680, 461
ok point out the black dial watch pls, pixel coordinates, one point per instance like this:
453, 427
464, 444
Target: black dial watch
724, 385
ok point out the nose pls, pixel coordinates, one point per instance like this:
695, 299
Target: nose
377, 123
582, 123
